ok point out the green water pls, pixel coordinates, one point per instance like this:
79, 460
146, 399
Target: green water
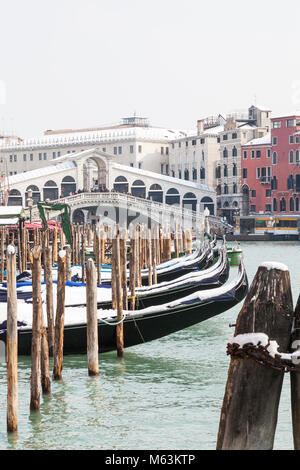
164, 395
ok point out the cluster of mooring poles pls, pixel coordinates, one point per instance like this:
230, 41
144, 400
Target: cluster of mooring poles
265, 345
36, 249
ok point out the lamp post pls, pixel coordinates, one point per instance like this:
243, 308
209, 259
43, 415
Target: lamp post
30, 203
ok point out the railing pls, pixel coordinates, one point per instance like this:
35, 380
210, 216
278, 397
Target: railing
116, 199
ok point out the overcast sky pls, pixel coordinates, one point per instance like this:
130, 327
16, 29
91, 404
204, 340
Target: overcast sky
80, 63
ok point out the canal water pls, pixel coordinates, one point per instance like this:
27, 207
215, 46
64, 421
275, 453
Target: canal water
166, 394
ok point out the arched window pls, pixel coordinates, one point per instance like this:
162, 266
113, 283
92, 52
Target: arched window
138, 189
226, 204
297, 183
189, 201
186, 175
290, 182
297, 204
225, 170
225, 189
14, 198
274, 159
282, 205
36, 195
68, 186
172, 196
225, 153
291, 156
274, 182
202, 173
234, 188
121, 184
50, 190
297, 156
155, 193
291, 204
195, 174
234, 152
219, 190
234, 170
274, 205
207, 202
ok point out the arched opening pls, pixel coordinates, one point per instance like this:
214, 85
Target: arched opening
14, 198
36, 195
138, 189
186, 175
94, 174
297, 204
155, 193
121, 184
207, 202
50, 190
226, 204
78, 217
292, 205
274, 205
68, 186
245, 200
189, 201
172, 196
218, 190
282, 205
297, 183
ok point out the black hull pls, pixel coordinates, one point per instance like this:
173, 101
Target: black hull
142, 327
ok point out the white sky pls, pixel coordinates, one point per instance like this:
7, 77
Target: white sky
80, 63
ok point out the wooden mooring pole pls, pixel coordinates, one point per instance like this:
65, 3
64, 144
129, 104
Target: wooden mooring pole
12, 342
250, 406
119, 326
36, 329
59, 320
295, 380
49, 296
92, 319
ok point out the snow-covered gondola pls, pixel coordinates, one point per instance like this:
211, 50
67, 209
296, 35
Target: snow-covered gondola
142, 325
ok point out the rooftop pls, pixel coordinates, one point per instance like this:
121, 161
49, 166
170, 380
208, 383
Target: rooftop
265, 140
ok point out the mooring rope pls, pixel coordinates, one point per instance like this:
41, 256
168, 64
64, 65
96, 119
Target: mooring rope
113, 323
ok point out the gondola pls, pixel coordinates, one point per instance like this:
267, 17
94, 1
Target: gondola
143, 325
159, 294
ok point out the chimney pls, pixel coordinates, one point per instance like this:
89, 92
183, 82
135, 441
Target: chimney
200, 126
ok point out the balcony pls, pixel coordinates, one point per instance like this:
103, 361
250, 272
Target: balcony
265, 179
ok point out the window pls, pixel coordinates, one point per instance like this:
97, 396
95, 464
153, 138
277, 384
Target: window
202, 173
252, 208
245, 154
131, 148
291, 139
167, 150
194, 142
234, 188
290, 123
234, 152
225, 189
297, 156
31, 157
179, 145
244, 172
291, 156
45, 156
274, 140
10, 158
140, 165
268, 192
24, 157
15, 158
252, 154
274, 160
268, 208
53, 155
202, 141
131, 164
140, 149
103, 149
120, 150
162, 168
290, 182
225, 137
269, 153
276, 124
253, 193
275, 205
187, 143
194, 174
257, 172
58, 154
234, 135
291, 204
297, 140
234, 170
179, 174
258, 154
40, 156
225, 153
225, 170
161, 150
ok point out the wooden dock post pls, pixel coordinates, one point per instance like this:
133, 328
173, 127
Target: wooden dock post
83, 246
49, 296
149, 257
119, 326
45, 371
123, 258
36, 329
2, 256
67, 249
92, 319
132, 270
250, 407
154, 260
295, 380
59, 320
12, 342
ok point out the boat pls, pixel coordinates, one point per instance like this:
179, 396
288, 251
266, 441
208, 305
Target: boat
158, 294
142, 325
234, 253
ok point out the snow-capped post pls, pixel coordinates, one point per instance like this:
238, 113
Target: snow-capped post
250, 406
154, 257
36, 329
117, 262
49, 296
54, 246
91, 318
12, 342
97, 252
295, 380
60, 314
149, 257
